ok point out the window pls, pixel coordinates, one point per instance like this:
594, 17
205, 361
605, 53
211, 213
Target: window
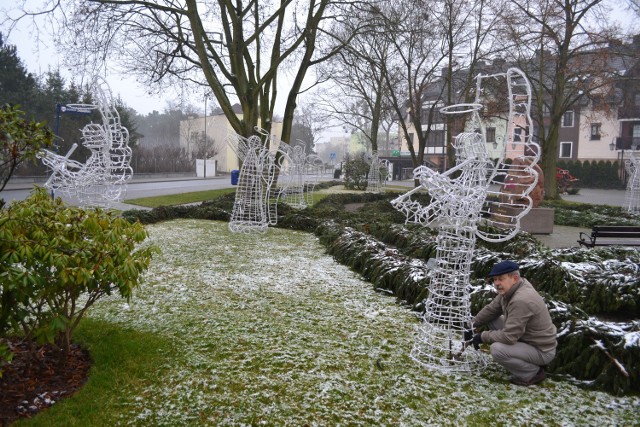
436, 138
635, 138
565, 149
567, 120
517, 134
595, 131
636, 99
430, 113
491, 134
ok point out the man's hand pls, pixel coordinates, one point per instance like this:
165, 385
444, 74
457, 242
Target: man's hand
477, 340
468, 335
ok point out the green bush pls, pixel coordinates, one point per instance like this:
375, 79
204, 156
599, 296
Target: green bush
58, 260
20, 140
355, 173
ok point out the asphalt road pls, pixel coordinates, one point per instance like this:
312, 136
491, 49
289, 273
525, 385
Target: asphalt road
137, 189
163, 186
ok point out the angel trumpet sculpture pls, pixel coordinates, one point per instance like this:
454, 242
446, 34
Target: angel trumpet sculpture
458, 205
103, 178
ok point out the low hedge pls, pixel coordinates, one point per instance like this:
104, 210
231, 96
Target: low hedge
579, 284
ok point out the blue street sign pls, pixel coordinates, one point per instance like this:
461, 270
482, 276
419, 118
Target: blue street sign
332, 156
74, 109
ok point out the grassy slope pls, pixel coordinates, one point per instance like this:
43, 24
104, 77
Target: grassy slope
267, 330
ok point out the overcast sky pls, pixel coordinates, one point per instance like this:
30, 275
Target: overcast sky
40, 57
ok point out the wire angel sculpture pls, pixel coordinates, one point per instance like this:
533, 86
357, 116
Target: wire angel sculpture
255, 206
458, 205
299, 176
102, 179
378, 173
632, 195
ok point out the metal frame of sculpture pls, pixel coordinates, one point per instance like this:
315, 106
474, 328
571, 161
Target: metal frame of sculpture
375, 179
458, 205
255, 205
632, 194
102, 179
299, 176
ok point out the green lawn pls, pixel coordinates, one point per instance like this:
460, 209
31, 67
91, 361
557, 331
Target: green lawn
243, 330
200, 196
179, 199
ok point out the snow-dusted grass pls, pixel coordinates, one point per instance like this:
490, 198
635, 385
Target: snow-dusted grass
268, 330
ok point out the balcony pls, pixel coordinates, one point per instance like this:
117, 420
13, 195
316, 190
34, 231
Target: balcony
627, 143
629, 113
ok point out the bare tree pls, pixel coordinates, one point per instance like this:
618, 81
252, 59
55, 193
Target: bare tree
205, 146
308, 125
563, 47
161, 158
426, 38
358, 98
236, 49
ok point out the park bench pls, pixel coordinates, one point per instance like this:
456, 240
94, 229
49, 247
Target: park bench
610, 235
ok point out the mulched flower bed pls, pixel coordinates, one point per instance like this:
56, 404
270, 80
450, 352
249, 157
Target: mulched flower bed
30, 385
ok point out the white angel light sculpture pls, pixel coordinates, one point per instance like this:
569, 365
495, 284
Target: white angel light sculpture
102, 179
458, 205
378, 173
299, 176
632, 195
255, 207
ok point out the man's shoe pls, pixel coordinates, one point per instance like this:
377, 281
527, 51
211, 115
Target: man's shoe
537, 378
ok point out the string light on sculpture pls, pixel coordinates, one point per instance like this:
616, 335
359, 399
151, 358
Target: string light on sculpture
299, 176
458, 205
632, 195
253, 210
378, 173
102, 179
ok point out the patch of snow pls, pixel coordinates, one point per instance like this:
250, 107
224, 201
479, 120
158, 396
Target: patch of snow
270, 330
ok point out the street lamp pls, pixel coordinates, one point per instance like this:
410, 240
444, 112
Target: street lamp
205, 142
614, 146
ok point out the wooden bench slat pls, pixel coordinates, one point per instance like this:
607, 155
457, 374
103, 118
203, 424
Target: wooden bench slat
611, 235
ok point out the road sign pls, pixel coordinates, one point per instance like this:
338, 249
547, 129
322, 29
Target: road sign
332, 156
74, 109
395, 153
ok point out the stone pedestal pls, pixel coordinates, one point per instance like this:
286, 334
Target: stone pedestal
536, 221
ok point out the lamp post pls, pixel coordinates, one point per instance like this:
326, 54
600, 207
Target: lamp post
614, 146
205, 142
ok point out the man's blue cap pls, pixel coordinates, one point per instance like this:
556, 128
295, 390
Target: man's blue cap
503, 267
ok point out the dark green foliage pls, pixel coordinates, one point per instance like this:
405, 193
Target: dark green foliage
20, 141
355, 173
364, 232
593, 174
17, 86
218, 209
57, 261
586, 216
385, 268
582, 171
590, 350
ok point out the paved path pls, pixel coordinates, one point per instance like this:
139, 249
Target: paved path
567, 237
564, 236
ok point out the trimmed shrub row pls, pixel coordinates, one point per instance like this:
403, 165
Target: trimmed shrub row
577, 283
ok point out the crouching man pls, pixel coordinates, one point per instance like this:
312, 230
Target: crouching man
521, 334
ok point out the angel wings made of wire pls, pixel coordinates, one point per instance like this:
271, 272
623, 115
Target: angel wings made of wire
102, 178
509, 179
